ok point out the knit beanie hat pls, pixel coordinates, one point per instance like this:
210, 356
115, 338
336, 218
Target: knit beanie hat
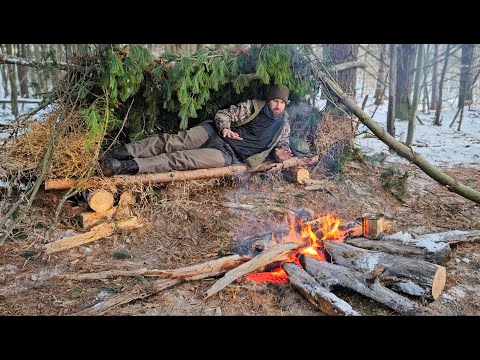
278, 92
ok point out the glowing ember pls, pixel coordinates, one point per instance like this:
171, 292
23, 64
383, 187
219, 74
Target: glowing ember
330, 231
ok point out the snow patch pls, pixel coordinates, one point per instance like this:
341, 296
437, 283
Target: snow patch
411, 288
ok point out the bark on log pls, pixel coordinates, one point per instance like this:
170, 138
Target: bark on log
10, 59
404, 151
97, 232
157, 178
438, 253
100, 200
451, 237
21, 101
325, 301
120, 299
296, 175
276, 253
330, 275
203, 270
410, 276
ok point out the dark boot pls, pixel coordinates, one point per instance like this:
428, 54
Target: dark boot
111, 166
120, 153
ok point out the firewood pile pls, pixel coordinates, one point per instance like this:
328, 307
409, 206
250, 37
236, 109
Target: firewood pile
102, 220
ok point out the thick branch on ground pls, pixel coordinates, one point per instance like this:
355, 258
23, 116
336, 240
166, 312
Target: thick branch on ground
451, 237
410, 276
156, 178
276, 253
97, 232
325, 301
203, 270
9, 59
120, 299
434, 247
330, 275
426, 250
404, 151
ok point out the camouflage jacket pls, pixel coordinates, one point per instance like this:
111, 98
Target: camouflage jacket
244, 112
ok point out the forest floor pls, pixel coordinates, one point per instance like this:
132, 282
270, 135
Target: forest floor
186, 224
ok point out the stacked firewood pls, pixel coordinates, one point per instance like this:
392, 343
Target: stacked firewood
103, 218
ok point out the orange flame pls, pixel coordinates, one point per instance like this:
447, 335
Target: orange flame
330, 231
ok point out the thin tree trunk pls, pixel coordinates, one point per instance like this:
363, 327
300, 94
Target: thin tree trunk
23, 73
405, 69
438, 108
364, 72
404, 151
433, 102
41, 85
392, 90
13, 83
426, 98
466, 63
4, 79
379, 91
416, 95
461, 117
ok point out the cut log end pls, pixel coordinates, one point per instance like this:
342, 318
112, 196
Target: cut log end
100, 200
439, 282
297, 175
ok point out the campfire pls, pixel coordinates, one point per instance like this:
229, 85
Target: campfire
329, 231
315, 257
315, 261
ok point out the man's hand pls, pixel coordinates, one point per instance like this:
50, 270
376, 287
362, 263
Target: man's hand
231, 134
283, 153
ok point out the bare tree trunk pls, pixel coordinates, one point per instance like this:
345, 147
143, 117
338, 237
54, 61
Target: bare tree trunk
433, 102
380, 91
440, 88
4, 78
341, 53
466, 63
13, 83
405, 69
392, 90
426, 99
416, 95
23, 72
364, 71
41, 84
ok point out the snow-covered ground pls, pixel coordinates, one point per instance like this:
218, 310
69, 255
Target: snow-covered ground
441, 145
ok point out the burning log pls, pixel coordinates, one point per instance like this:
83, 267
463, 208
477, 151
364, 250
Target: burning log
426, 250
410, 276
276, 253
97, 232
203, 270
330, 275
171, 176
100, 200
327, 302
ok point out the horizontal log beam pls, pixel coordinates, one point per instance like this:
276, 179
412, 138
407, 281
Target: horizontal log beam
172, 176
